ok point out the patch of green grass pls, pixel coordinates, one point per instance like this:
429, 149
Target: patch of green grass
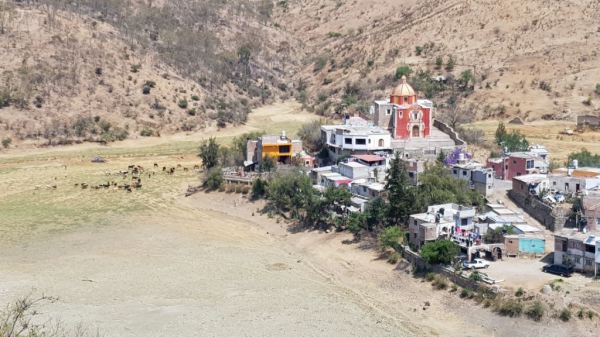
510, 307
565, 315
535, 311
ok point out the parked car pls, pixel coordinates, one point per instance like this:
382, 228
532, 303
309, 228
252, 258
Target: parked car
476, 264
558, 269
98, 160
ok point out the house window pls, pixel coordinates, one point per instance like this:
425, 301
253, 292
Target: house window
464, 173
454, 171
506, 167
388, 112
415, 235
578, 259
489, 187
364, 189
361, 141
381, 143
522, 186
518, 174
400, 114
588, 262
464, 222
529, 164
369, 140
514, 162
564, 246
554, 183
405, 100
489, 175
566, 186
348, 141
415, 222
597, 221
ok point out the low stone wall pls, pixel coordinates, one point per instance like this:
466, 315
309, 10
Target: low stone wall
539, 211
593, 122
459, 280
450, 132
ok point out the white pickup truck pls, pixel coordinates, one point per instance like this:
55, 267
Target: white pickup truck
476, 264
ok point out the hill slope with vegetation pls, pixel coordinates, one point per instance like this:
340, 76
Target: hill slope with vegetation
105, 70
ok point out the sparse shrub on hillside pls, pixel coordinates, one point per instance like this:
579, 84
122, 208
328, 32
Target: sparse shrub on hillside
192, 112
150, 84
38, 102
214, 179
535, 311
450, 64
183, 104
135, 68
565, 315
195, 98
320, 63
519, 292
98, 71
327, 81
510, 307
588, 101
418, 50
334, 34
545, 86
147, 133
439, 62
146, 90
6, 142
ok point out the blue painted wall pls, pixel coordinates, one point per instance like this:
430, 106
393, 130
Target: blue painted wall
532, 246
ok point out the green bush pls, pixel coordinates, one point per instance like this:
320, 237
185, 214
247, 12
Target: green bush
475, 276
429, 277
150, 84
135, 68
259, 187
394, 258
195, 98
6, 142
466, 293
239, 188
146, 90
214, 178
98, 71
327, 81
565, 315
535, 311
229, 188
519, 292
510, 307
245, 189
590, 314
192, 112
147, 133
183, 104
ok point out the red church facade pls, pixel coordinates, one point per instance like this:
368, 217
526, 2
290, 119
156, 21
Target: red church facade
404, 115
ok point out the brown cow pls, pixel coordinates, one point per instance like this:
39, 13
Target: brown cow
185, 169
196, 167
155, 165
178, 165
164, 168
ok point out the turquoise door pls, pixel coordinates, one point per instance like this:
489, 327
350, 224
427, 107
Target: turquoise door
532, 246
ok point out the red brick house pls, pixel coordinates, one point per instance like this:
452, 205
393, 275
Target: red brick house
513, 165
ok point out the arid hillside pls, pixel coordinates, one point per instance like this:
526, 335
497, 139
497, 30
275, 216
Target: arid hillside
102, 71
535, 59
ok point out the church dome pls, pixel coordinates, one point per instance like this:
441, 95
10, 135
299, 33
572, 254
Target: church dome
403, 89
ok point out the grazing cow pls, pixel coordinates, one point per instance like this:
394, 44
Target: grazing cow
155, 165
107, 173
51, 187
130, 167
127, 186
37, 187
115, 189
178, 165
185, 169
84, 186
129, 190
164, 169
196, 167
76, 185
120, 187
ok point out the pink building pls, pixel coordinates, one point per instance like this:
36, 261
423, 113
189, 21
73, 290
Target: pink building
513, 165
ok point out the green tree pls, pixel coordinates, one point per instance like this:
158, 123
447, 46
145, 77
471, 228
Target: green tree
294, 192
209, 153
357, 223
418, 50
341, 195
399, 196
240, 143
259, 188
225, 156
467, 77
391, 238
267, 164
440, 158
214, 178
500, 132
440, 252
584, 158
377, 211
310, 134
403, 71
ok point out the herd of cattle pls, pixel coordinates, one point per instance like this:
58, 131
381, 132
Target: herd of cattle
135, 172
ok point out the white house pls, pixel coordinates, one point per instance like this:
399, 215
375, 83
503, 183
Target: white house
355, 139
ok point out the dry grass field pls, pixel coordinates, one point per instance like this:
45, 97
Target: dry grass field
550, 134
